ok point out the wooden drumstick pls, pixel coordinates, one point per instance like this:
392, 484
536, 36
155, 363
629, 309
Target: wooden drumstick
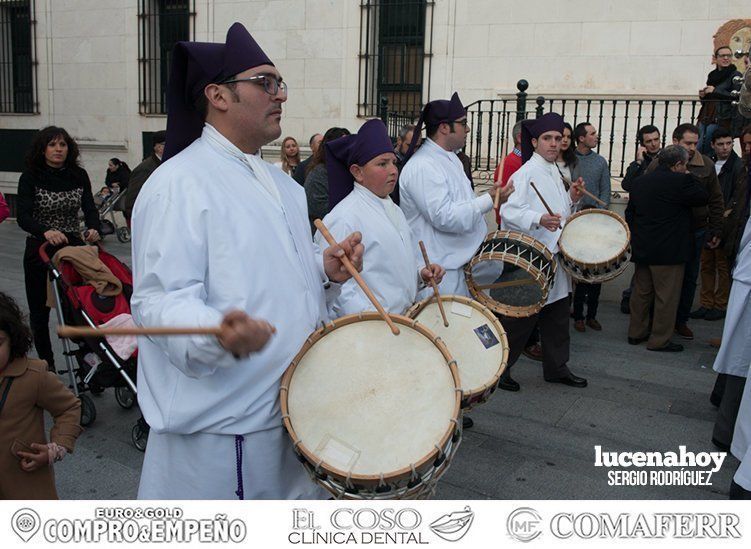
352, 271
433, 284
585, 192
534, 187
86, 331
508, 284
497, 199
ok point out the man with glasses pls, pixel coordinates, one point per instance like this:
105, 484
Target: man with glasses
717, 110
221, 238
436, 197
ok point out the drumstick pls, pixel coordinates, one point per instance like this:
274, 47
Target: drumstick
81, 331
532, 184
497, 199
352, 271
520, 282
433, 284
586, 192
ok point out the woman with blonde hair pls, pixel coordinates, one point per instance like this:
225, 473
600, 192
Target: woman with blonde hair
290, 154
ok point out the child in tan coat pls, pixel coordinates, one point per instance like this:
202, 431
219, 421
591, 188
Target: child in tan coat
27, 389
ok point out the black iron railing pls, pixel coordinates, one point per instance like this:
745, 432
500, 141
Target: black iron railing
18, 63
616, 120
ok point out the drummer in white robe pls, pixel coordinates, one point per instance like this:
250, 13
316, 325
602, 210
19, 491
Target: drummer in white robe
525, 212
734, 356
221, 238
436, 197
362, 172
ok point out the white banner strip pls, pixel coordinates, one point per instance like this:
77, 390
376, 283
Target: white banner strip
456, 524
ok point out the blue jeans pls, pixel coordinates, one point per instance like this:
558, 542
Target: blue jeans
690, 274
706, 131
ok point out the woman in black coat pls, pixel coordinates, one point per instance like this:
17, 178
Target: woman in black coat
51, 191
118, 173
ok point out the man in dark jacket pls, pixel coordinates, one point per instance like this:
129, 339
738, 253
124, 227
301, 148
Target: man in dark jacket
649, 146
142, 172
661, 242
707, 220
302, 170
715, 265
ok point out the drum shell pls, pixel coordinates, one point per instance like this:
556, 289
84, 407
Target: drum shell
476, 395
357, 486
523, 251
596, 272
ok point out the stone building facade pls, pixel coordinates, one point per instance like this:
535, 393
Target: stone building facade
97, 66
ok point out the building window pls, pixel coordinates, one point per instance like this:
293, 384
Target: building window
162, 23
395, 53
18, 57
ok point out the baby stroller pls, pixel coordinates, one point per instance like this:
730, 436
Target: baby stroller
107, 207
95, 365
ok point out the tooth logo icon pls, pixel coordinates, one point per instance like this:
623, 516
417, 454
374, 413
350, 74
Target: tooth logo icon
25, 523
454, 526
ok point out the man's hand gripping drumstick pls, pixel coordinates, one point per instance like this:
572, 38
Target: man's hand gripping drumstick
349, 263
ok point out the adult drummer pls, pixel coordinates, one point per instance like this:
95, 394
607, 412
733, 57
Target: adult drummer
525, 212
362, 173
221, 238
436, 197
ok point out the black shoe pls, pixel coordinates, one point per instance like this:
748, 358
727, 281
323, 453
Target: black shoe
467, 422
626, 306
571, 380
715, 400
669, 347
637, 340
714, 314
508, 384
721, 445
701, 312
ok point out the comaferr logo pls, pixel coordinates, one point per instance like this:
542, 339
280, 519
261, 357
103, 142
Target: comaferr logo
453, 526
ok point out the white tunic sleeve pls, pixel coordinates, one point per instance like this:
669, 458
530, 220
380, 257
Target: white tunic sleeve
516, 212
348, 298
436, 204
171, 291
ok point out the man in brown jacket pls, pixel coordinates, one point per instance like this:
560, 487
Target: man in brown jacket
707, 220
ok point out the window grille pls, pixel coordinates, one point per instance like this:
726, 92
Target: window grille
395, 53
162, 23
18, 89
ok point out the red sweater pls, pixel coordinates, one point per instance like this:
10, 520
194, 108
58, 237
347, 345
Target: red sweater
511, 163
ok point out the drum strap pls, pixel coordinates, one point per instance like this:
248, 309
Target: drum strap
239, 439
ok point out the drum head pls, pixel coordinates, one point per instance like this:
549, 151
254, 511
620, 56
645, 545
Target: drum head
506, 283
593, 237
474, 338
366, 402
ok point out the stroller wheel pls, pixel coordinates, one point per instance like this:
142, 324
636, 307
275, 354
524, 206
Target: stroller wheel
125, 397
140, 436
88, 410
123, 234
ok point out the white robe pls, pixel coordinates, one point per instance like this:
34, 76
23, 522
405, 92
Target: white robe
443, 211
524, 210
390, 266
734, 356
216, 230
735, 350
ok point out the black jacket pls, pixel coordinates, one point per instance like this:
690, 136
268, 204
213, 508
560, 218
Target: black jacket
137, 179
732, 179
660, 204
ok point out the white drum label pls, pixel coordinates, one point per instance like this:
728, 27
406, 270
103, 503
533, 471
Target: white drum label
486, 335
337, 453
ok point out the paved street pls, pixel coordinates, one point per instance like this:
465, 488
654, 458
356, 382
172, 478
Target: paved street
534, 444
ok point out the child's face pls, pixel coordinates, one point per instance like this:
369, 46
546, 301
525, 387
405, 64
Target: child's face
4, 349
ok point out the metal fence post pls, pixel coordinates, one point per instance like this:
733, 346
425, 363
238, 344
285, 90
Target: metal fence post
383, 110
521, 100
540, 106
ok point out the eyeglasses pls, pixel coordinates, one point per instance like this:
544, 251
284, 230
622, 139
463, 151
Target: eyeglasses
725, 56
271, 85
464, 123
